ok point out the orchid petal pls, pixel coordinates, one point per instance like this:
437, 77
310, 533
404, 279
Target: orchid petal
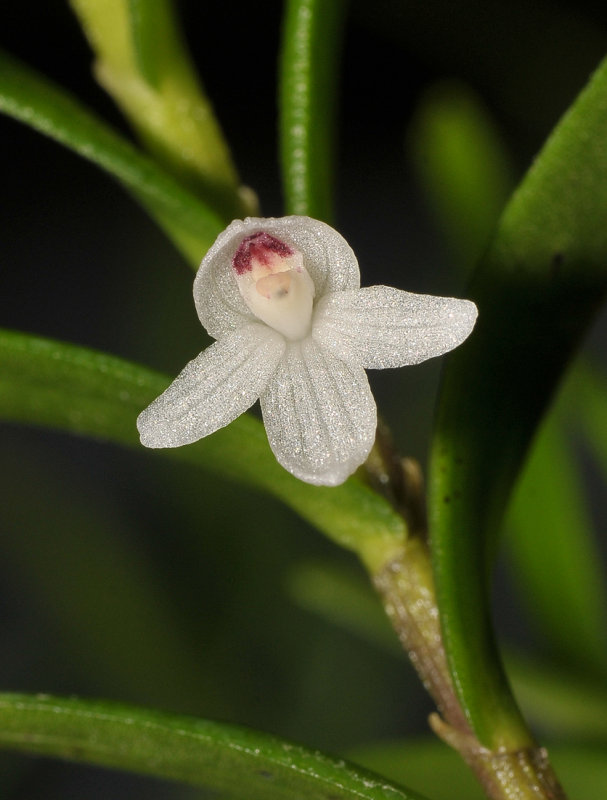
214, 388
328, 258
319, 414
380, 327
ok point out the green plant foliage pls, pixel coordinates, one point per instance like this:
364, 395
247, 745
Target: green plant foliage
559, 702
552, 543
32, 99
81, 391
219, 757
590, 398
537, 289
540, 280
343, 598
310, 53
461, 165
142, 61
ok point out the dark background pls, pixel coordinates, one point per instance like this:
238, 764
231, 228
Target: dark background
207, 623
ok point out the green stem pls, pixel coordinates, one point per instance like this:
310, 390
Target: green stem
406, 586
308, 87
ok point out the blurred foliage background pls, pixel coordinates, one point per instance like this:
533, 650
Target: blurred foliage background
126, 576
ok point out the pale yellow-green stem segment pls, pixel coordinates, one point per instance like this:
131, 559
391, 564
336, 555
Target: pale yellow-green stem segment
405, 584
143, 63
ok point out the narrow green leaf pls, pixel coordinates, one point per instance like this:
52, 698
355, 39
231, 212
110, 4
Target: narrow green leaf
551, 540
233, 761
311, 47
461, 165
32, 99
143, 63
537, 289
62, 386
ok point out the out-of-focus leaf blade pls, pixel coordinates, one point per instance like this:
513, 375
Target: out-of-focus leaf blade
32, 99
94, 588
311, 46
148, 20
462, 166
591, 403
62, 386
559, 702
537, 289
343, 598
557, 564
232, 761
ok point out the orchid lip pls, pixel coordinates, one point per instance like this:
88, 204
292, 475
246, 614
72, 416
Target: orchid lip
275, 284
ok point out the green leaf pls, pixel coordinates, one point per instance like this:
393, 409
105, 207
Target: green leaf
233, 761
461, 165
102, 598
30, 98
143, 63
149, 23
62, 386
591, 402
537, 289
551, 540
311, 46
559, 702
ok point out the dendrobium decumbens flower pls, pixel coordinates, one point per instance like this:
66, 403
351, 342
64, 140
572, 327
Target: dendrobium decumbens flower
294, 329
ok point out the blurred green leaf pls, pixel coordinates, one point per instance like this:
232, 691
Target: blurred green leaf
96, 588
152, 27
224, 758
32, 99
67, 387
537, 289
590, 398
344, 598
143, 62
559, 702
557, 564
311, 47
431, 764
462, 166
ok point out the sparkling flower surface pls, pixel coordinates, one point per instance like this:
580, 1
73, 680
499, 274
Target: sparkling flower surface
294, 329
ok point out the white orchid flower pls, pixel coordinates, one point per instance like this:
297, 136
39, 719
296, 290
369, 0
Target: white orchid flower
294, 329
